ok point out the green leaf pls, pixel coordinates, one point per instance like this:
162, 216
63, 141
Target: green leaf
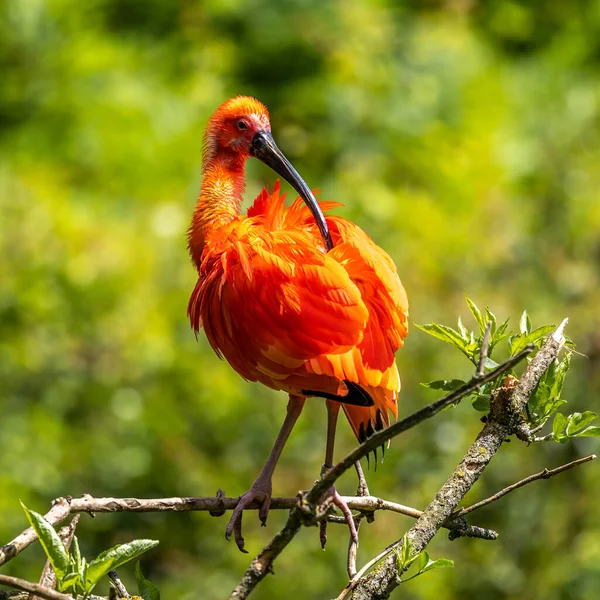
440, 563
498, 336
146, 589
520, 341
425, 564
490, 317
464, 332
115, 557
540, 398
554, 405
589, 432
406, 551
76, 555
525, 323
481, 403
448, 335
501, 329
490, 364
70, 583
578, 421
476, 314
559, 424
559, 372
443, 384
53, 546
558, 427
424, 560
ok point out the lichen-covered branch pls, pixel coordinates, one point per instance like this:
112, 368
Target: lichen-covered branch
505, 415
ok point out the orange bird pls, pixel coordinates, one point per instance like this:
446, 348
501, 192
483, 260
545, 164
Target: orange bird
298, 301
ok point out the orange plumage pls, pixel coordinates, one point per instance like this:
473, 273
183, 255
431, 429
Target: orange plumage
284, 313
298, 301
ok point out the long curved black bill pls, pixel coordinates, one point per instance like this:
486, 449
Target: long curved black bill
265, 149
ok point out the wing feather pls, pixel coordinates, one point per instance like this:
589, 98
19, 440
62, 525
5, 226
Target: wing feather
280, 300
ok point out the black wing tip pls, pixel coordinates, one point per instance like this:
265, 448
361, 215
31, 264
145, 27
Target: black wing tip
356, 396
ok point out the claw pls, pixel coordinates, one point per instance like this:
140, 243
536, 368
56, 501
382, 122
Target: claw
263, 513
261, 491
323, 533
237, 533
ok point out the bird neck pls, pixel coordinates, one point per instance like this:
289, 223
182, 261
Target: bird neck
220, 200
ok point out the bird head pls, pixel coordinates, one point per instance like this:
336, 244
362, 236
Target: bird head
240, 128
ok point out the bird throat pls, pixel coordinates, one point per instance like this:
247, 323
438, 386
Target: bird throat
220, 200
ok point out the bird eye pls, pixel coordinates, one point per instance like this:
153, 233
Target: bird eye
242, 125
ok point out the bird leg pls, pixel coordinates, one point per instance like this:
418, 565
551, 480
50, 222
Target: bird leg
333, 409
261, 488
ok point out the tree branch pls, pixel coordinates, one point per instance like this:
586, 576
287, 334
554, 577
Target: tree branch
118, 584
33, 588
505, 414
484, 350
545, 474
63, 507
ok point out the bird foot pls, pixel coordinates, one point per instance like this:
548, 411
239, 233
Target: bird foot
338, 501
260, 491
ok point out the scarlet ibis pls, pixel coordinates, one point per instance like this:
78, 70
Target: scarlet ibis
300, 302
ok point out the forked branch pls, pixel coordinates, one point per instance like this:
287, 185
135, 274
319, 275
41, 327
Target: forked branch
307, 512
505, 415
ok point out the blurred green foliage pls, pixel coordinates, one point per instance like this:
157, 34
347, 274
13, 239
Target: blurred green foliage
463, 136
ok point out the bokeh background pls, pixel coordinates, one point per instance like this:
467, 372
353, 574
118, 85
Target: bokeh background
462, 135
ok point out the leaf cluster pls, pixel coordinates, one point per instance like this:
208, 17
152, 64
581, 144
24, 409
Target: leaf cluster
78, 577
546, 399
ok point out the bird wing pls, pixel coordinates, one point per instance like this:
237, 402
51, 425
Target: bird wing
372, 362
269, 301
374, 273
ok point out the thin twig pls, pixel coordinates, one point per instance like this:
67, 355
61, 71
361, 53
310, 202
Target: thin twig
34, 588
544, 438
363, 487
505, 412
545, 474
484, 350
456, 527
116, 581
361, 490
